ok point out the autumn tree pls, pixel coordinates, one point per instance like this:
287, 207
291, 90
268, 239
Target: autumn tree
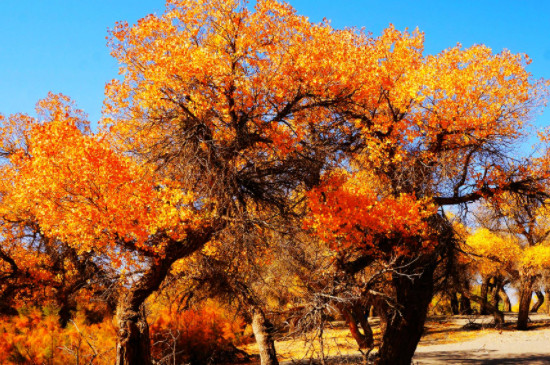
223, 111
496, 258
37, 268
437, 131
220, 109
525, 222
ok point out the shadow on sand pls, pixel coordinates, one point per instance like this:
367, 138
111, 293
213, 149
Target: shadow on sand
480, 357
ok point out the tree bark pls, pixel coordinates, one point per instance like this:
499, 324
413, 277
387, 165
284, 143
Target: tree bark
406, 319
498, 316
465, 305
65, 313
525, 293
133, 345
263, 329
547, 293
355, 316
454, 303
483, 295
539, 302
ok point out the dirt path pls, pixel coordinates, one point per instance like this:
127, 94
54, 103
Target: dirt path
493, 347
530, 347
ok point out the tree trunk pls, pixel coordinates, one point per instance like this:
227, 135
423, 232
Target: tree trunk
498, 316
454, 303
483, 295
133, 344
355, 316
465, 305
406, 320
547, 293
525, 293
380, 310
65, 314
263, 329
362, 316
506, 300
539, 302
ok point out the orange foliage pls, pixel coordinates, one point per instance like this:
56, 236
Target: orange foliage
195, 335
35, 338
82, 192
220, 104
346, 212
427, 125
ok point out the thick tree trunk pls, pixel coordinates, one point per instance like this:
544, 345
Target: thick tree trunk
134, 346
65, 314
539, 302
406, 322
525, 293
263, 329
380, 310
483, 295
7, 309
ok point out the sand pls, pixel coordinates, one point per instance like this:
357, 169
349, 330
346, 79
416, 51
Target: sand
447, 342
496, 347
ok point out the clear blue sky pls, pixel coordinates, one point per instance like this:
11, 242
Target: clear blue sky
60, 46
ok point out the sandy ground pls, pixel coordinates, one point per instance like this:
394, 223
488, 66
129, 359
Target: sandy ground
492, 347
530, 347
446, 342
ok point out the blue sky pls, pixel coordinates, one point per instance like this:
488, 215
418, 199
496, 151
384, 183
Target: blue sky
60, 46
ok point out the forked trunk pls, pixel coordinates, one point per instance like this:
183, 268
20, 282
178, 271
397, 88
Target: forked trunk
405, 323
263, 333
133, 345
539, 302
525, 293
355, 316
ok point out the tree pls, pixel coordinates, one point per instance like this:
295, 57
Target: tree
496, 259
81, 193
31, 259
221, 109
436, 131
223, 112
524, 221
